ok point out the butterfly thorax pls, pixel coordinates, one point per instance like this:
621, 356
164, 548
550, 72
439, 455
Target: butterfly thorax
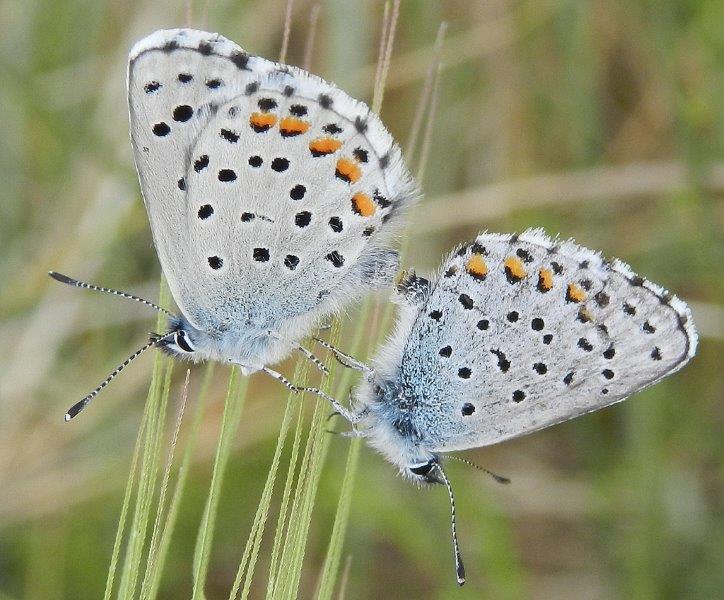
391, 422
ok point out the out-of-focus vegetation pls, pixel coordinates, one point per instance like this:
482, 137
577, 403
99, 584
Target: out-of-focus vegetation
601, 120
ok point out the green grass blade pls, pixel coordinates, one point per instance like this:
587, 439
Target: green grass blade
290, 565
180, 486
151, 561
158, 401
233, 407
280, 535
113, 566
336, 541
245, 571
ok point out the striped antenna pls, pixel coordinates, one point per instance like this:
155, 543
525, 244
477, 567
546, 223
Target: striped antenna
89, 286
498, 478
459, 566
79, 406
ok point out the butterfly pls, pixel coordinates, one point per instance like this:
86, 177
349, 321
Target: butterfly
273, 198
514, 333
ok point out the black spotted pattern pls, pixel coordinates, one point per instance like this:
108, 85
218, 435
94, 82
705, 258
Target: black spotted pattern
335, 224
297, 192
503, 362
291, 261
205, 211
261, 254
584, 344
335, 258
227, 175
466, 301
540, 368
302, 219
230, 136
183, 113
201, 163
280, 164
161, 129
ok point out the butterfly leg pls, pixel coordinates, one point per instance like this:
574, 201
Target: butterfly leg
345, 359
347, 414
317, 363
284, 381
352, 417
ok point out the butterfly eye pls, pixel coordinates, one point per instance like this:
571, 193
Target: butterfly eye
183, 342
422, 469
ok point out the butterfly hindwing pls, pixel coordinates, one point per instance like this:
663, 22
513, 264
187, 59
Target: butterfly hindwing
522, 332
291, 201
271, 193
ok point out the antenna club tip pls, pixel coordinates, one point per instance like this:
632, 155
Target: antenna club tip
460, 571
62, 278
67, 417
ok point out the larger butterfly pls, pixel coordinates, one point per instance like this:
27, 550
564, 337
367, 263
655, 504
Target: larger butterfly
514, 334
272, 197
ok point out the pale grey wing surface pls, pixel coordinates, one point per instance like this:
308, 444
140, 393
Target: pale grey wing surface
293, 192
174, 83
290, 187
523, 332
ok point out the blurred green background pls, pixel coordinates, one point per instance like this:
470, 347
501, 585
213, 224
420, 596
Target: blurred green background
599, 119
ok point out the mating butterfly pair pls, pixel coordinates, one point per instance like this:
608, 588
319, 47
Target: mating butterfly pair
274, 198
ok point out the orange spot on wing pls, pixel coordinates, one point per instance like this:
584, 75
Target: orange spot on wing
362, 204
514, 269
476, 266
262, 121
545, 280
291, 126
575, 293
348, 170
324, 146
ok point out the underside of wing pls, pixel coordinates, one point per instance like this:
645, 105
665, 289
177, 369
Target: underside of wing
522, 332
276, 198
175, 79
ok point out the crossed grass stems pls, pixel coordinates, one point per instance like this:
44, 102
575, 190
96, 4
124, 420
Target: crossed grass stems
154, 500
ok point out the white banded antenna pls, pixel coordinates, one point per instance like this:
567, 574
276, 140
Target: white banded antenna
459, 566
79, 406
498, 478
96, 288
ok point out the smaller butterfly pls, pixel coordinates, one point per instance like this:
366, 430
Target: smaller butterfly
273, 198
514, 334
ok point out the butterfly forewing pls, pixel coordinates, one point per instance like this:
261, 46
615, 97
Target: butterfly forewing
171, 94
522, 332
269, 190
